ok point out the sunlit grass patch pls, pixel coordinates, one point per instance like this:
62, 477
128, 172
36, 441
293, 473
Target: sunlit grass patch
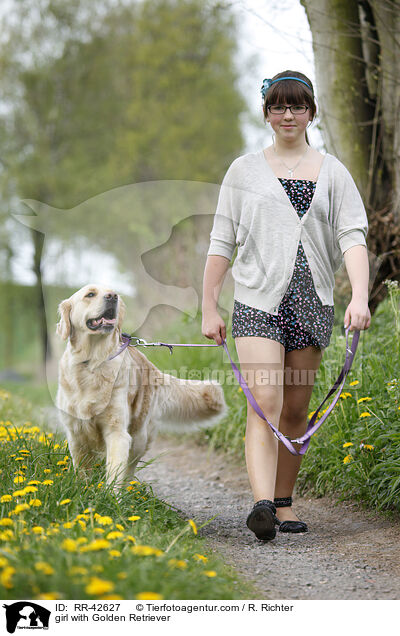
64, 537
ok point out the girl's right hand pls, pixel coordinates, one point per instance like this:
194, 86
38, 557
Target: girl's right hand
213, 327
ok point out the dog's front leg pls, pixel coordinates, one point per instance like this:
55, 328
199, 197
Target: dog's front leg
117, 453
80, 451
117, 441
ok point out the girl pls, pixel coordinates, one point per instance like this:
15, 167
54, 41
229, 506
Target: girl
294, 215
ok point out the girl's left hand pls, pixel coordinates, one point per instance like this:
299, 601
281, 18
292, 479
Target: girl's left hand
357, 315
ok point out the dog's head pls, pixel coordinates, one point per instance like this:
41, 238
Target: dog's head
94, 309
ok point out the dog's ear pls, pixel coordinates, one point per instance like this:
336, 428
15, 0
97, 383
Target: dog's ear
121, 312
63, 328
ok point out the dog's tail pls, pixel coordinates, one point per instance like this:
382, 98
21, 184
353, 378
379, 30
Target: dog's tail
188, 405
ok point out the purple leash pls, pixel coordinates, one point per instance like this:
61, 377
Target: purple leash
313, 425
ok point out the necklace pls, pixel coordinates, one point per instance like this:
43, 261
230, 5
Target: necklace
290, 170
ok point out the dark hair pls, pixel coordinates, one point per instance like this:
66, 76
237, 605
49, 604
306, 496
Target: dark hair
290, 92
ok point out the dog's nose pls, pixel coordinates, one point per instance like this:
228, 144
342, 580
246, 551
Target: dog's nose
111, 297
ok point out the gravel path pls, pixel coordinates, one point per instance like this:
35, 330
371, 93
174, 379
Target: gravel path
347, 554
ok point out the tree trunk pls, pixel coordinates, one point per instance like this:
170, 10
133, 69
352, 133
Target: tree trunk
357, 74
38, 241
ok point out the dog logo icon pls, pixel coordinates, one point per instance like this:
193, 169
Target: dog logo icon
26, 615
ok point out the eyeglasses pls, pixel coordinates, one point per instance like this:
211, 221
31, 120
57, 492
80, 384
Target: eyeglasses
295, 109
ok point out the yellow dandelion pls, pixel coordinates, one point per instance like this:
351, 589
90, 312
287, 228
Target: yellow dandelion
19, 493
20, 508
177, 563
105, 521
133, 518
3, 562
367, 446
146, 550
354, 383
114, 553
347, 459
200, 557
69, 545
5, 498
77, 570
35, 503
210, 573
6, 535
119, 527
98, 530
133, 482
68, 524
6, 522
49, 596
364, 399
96, 544
81, 540
37, 530
47, 470
47, 482
45, 568
148, 596
6, 577
19, 479
130, 538
82, 524
33, 482
64, 502
343, 396
347, 444
97, 586
115, 534
30, 489
365, 414
192, 525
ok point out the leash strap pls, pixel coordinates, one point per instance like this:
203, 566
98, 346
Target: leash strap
126, 340
313, 425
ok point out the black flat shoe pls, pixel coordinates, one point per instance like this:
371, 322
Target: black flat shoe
289, 526
262, 520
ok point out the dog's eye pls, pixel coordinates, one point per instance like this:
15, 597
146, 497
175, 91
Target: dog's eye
90, 295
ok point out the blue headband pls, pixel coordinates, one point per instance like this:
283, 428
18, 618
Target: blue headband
268, 82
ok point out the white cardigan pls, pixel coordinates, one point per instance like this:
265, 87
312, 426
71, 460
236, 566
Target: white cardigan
255, 213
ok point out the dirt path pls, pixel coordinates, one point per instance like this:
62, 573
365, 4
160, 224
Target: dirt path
347, 554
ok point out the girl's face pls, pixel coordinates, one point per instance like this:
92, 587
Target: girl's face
288, 126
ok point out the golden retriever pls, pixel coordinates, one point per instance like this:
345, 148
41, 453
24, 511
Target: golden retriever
114, 407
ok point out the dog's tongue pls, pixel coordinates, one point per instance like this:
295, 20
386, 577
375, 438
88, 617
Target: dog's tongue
105, 321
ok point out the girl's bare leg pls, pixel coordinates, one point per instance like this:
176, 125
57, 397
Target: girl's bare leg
262, 362
301, 366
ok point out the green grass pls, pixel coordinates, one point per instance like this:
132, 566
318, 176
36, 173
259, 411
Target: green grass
64, 538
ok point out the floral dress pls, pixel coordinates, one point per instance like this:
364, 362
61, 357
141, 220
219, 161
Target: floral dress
302, 319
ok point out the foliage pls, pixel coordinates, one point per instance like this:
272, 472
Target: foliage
65, 538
